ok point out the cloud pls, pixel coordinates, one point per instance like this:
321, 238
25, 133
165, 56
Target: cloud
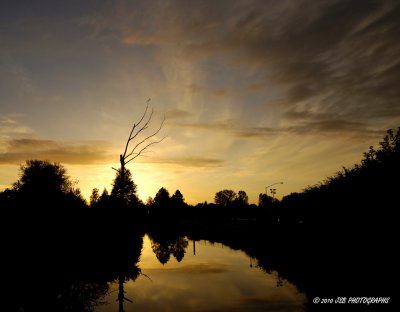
343, 52
225, 125
330, 125
298, 122
338, 56
18, 151
9, 126
255, 132
190, 161
212, 90
177, 114
19, 143
302, 122
53, 98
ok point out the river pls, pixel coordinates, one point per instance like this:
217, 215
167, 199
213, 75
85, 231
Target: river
184, 275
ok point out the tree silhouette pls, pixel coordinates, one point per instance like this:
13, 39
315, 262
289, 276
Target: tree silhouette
39, 175
264, 200
46, 183
177, 200
143, 142
7, 197
162, 198
123, 192
94, 198
242, 198
354, 192
104, 200
225, 198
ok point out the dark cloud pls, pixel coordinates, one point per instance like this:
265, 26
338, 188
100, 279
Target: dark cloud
346, 53
304, 115
224, 125
341, 56
190, 161
299, 122
325, 123
230, 127
329, 126
173, 114
255, 132
211, 90
19, 150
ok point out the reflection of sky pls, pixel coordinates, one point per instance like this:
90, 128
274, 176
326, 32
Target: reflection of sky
215, 279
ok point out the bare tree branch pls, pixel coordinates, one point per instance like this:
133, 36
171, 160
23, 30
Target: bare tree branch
135, 125
145, 139
143, 149
145, 126
139, 148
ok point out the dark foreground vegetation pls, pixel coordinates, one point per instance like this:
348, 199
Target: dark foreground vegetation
335, 239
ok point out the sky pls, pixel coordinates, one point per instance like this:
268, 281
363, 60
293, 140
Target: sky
253, 92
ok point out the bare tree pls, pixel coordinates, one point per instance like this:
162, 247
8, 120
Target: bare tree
143, 141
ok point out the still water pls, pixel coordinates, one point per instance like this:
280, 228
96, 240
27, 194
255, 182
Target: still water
201, 276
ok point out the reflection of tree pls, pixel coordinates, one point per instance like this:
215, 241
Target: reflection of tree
73, 274
83, 296
123, 277
178, 248
163, 248
128, 269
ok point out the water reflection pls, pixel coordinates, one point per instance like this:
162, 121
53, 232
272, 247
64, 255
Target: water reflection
94, 267
164, 247
66, 266
211, 277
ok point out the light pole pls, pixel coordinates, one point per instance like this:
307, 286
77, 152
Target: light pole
273, 191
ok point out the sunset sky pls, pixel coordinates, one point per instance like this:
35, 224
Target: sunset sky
253, 92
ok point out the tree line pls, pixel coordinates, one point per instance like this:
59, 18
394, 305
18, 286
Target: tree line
44, 184
372, 182
365, 192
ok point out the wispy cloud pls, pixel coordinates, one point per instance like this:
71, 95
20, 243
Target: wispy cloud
173, 114
302, 122
189, 161
298, 123
211, 90
224, 125
9, 126
339, 56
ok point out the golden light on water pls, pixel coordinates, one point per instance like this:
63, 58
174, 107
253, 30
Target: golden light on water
200, 280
